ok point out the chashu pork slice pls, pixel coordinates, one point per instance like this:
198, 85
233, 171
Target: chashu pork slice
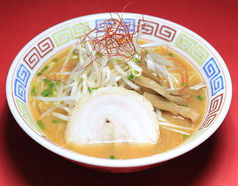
112, 115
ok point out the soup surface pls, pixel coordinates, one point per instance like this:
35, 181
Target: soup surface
174, 131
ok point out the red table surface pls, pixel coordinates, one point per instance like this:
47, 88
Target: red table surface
25, 162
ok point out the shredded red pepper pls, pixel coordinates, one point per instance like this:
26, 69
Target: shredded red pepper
113, 38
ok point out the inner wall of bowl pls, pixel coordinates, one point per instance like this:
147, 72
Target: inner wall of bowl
44, 46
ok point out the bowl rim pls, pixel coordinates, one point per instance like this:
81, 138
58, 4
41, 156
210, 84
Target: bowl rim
145, 161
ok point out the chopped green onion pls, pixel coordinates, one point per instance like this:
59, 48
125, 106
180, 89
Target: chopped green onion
34, 84
170, 54
44, 68
185, 84
55, 121
41, 124
94, 88
33, 91
89, 89
39, 74
51, 88
54, 59
100, 54
185, 135
45, 93
51, 85
200, 98
112, 157
136, 60
47, 80
130, 77
57, 82
185, 105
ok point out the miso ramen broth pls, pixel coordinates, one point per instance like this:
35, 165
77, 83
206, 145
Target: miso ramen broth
174, 129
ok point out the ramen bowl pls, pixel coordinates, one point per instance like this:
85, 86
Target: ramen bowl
202, 56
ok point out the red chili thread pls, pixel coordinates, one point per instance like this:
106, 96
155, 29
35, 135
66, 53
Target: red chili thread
117, 38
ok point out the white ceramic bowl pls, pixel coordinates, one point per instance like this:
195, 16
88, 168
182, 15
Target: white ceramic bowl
199, 52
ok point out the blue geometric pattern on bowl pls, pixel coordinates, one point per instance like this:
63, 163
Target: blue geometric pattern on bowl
131, 24
20, 82
214, 74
